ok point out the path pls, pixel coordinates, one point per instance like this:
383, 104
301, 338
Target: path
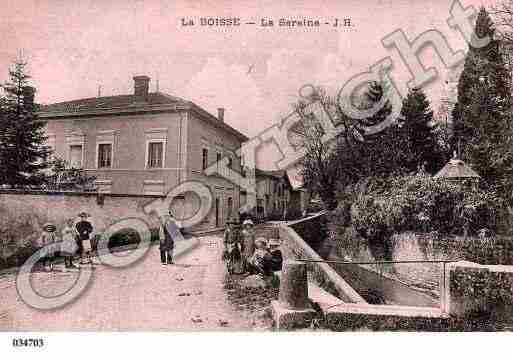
144, 296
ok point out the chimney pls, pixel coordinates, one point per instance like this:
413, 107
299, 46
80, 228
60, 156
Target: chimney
141, 86
220, 114
28, 95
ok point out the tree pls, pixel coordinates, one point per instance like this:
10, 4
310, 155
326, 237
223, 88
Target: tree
503, 14
416, 122
22, 151
320, 168
484, 63
330, 167
383, 153
482, 117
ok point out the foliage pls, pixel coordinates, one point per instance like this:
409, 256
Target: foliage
353, 154
486, 294
417, 125
63, 178
320, 167
22, 151
379, 154
482, 116
420, 203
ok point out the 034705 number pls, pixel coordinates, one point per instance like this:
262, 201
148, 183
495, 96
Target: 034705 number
28, 342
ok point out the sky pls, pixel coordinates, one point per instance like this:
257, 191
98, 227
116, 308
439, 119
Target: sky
254, 72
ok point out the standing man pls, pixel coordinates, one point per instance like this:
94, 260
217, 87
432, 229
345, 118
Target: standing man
168, 230
84, 229
233, 247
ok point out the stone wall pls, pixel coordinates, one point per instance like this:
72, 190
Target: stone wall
22, 215
386, 318
294, 247
484, 291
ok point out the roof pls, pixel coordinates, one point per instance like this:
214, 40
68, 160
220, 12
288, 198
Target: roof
456, 169
269, 173
293, 176
127, 104
110, 102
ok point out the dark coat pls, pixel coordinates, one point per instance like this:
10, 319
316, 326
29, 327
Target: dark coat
84, 229
167, 242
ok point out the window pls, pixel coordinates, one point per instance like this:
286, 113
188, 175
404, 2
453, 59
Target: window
230, 162
104, 155
155, 154
205, 158
218, 159
75, 156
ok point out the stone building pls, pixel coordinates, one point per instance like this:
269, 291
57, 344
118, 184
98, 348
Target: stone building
146, 144
278, 196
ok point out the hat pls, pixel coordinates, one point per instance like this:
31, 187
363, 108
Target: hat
261, 240
248, 222
274, 242
49, 227
232, 220
84, 214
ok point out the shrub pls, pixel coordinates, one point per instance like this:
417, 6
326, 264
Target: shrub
422, 204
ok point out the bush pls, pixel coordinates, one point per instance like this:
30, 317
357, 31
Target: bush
377, 208
422, 204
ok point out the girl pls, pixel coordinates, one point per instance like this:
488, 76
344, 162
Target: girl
47, 238
69, 243
248, 242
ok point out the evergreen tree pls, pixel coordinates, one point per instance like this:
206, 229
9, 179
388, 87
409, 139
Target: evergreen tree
22, 151
416, 123
482, 116
382, 153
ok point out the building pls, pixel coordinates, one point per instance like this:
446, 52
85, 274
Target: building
278, 196
146, 144
272, 194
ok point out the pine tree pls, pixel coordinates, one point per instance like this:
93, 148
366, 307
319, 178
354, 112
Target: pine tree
416, 123
22, 151
482, 116
384, 152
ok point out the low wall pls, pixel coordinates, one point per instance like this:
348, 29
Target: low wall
480, 290
23, 213
294, 247
389, 318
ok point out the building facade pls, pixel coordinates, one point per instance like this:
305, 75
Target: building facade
146, 144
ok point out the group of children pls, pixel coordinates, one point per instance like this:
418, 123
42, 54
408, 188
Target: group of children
245, 254
70, 243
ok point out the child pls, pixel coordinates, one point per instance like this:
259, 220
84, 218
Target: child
47, 238
69, 243
261, 258
275, 253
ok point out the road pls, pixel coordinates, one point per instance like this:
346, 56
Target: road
186, 296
